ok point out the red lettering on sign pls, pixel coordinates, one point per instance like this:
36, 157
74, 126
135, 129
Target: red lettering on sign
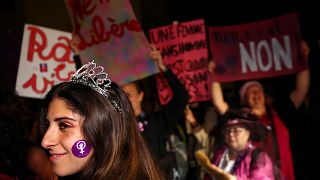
98, 32
57, 71
39, 45
33, 83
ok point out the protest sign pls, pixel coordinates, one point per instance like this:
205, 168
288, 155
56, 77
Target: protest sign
262, 49
110, 34
45, 60
184, 50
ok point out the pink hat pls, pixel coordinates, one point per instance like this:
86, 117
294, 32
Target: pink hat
243, 118
232, 122
245, 87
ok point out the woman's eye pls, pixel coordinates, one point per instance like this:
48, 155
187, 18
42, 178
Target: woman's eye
63, 126
44, 125
238, 131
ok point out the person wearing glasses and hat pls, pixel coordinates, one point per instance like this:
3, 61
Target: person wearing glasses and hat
238, 158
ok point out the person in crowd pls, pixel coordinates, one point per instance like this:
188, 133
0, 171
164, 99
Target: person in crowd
273, 116
202, 130
36, 161
20, 158
157, 126
238, 158
201, 136
90, 131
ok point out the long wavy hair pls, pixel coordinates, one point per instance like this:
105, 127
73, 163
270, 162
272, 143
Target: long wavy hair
119, 150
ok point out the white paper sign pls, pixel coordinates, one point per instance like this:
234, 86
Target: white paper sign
45, 60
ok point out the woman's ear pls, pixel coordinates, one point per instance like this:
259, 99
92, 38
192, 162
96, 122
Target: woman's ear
141, 95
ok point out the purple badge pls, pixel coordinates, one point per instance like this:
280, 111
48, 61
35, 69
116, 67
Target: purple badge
81, 148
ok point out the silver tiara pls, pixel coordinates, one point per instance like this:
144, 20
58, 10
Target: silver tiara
93, 76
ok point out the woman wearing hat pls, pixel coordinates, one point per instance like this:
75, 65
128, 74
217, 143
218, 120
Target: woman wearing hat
277, 141
239, 158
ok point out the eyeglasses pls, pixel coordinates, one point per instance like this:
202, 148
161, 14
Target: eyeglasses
234, 130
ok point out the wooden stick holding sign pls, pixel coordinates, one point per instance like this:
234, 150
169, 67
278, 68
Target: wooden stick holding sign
211, 169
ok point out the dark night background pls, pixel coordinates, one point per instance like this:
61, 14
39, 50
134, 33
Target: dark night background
153, 13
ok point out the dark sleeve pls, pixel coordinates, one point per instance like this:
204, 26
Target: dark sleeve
77, 61
174, 110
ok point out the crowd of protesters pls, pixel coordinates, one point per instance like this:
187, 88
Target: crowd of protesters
255, 138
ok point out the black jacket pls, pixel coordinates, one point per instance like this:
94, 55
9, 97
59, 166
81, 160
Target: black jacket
160, 124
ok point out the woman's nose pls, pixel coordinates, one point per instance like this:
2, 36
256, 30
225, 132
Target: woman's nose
49, 139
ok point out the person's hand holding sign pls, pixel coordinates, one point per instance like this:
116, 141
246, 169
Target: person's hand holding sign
74, 44
211, 66
157, 58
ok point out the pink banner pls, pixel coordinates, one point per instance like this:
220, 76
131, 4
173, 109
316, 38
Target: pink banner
111, 35
256, 50
184, 51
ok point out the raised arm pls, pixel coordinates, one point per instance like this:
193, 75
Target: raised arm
300, 92
217, 94
217, 98
174, 110
157, 58
76, 52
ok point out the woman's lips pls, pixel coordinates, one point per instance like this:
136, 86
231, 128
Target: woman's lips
54, 157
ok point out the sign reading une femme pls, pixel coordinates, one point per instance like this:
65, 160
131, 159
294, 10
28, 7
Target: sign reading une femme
184, 51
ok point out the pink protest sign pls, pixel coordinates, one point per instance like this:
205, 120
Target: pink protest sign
110, 34
255, 50
45, 60
184, 50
